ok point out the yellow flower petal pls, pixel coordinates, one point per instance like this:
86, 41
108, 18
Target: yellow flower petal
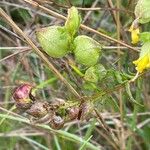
142, 63
134, 34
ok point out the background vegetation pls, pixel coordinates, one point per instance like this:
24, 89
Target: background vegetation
120, 119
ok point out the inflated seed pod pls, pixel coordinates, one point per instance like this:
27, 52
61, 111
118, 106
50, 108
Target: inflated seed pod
54, 40
87, 51
95, 73
38, 109
142, 11
22, 96
57, 122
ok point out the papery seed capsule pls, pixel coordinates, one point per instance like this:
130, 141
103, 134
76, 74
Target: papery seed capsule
95, 73
57, 122
57, 102
54, 40
38, 109
85, 109
73, 113
21, 96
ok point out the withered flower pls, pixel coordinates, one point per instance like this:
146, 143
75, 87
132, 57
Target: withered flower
38, 109
22, 96
57, 122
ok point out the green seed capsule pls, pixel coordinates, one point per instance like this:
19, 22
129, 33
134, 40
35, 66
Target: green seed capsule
87, 51
54, 40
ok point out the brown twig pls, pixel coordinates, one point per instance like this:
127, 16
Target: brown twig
12, 55
118, 23
91, 8
89, 12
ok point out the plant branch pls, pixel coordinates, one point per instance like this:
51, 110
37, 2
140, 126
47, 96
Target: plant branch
38, 52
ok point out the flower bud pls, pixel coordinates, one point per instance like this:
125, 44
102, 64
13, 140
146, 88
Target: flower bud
87, 51
57, 122
54, 40
73, 113
38, 109
22, 97
73, 21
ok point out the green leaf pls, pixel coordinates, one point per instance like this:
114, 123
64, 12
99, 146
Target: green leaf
130, 95
145, 37
142, 11
64, 134
118, 76
84, 144
145, 49
34, 142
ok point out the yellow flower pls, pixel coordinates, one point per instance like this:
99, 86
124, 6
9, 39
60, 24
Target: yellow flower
142, 63
134, 33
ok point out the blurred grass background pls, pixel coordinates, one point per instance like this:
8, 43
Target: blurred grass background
129, 123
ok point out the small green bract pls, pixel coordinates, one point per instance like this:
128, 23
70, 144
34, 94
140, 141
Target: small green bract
54, 40
87, 51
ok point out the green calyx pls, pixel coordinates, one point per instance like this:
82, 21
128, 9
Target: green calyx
73, 21
87, 51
